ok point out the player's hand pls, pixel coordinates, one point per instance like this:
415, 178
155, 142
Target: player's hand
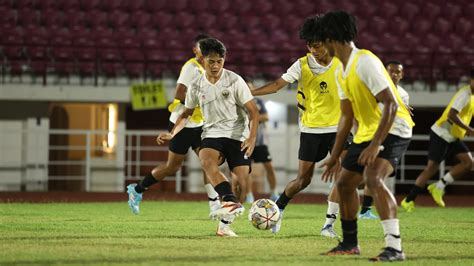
332, 168
369, 154
248, 144
163, 137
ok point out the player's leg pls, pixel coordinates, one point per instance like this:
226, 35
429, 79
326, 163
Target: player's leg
135, 191
333, 197
271, 178
386, 207
384, 165
349, 205
331, 213
312, 149
366, 209
437, 151
265, 158
212, 196
463, 166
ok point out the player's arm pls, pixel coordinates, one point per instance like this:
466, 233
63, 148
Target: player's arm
270, 87
180, 123
180, 92
249, 143
343, 129
389, 111
453, 116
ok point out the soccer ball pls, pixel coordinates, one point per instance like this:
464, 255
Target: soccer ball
264, 214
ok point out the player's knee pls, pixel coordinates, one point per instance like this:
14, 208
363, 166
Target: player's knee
466, 164
208, 164
373, 183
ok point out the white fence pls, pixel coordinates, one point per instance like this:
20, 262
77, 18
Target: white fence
31, 157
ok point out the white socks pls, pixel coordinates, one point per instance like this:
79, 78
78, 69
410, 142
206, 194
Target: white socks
444, 181
331, 214
392, 234
211, 192
226, 222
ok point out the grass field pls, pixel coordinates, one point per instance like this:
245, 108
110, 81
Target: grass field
179, 233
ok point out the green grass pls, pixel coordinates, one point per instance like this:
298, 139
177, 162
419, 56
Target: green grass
179, 233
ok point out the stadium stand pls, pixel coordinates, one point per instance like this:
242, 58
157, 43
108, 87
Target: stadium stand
144, 38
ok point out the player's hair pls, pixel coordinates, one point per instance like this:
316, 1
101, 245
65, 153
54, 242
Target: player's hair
200, 37
310, 28
211, 45
393, 62
337, 26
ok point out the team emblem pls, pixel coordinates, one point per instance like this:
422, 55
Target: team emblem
225, 93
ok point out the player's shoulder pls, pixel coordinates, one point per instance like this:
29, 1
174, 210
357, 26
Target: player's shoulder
231, 78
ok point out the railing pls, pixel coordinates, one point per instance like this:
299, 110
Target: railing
35, 157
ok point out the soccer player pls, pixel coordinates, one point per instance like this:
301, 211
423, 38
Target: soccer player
227, 104
261, 153
318, 102
395, 71
381, 137
446, 138
189, 137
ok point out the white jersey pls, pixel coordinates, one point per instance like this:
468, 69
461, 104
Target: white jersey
444, 131
371, 72
222, 105
188, 73
294, 74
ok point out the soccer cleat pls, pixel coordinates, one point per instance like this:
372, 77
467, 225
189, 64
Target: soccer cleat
408, 206
368, 215
134, 198
328, 231
226, 209
437, 194
214, 205
274, 196
276, 228
389, 254
249, 198
225, 231
342, 249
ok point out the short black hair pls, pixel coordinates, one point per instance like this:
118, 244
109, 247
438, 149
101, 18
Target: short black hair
393, 62
310, 28
211, 45
337, 26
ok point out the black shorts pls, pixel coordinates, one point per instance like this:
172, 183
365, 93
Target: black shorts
348, 142
261, 155
315, 147
186, 138
229, 148
440, 149
394, 148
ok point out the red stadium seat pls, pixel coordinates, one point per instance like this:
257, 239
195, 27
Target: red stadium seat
431, 11
388, 10
409, 10
133, 6
89, 5
117, 19
61, 38
68, 5
140, 19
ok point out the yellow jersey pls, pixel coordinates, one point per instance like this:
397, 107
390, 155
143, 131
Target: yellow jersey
364, 104
317, 96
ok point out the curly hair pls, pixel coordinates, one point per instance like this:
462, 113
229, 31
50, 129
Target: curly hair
310, 28
337, 26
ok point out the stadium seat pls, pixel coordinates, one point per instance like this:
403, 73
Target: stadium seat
387, 10
90, 5
409, 11
133, 6
117, 19
431, 11
68, 5
139, 19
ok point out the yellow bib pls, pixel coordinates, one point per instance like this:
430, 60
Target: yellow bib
317, 96
364, 104
197, 116
465, 114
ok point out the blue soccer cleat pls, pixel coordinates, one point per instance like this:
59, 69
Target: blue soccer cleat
368, 215
134, 199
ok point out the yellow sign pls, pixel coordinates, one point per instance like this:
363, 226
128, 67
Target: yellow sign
148, 96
